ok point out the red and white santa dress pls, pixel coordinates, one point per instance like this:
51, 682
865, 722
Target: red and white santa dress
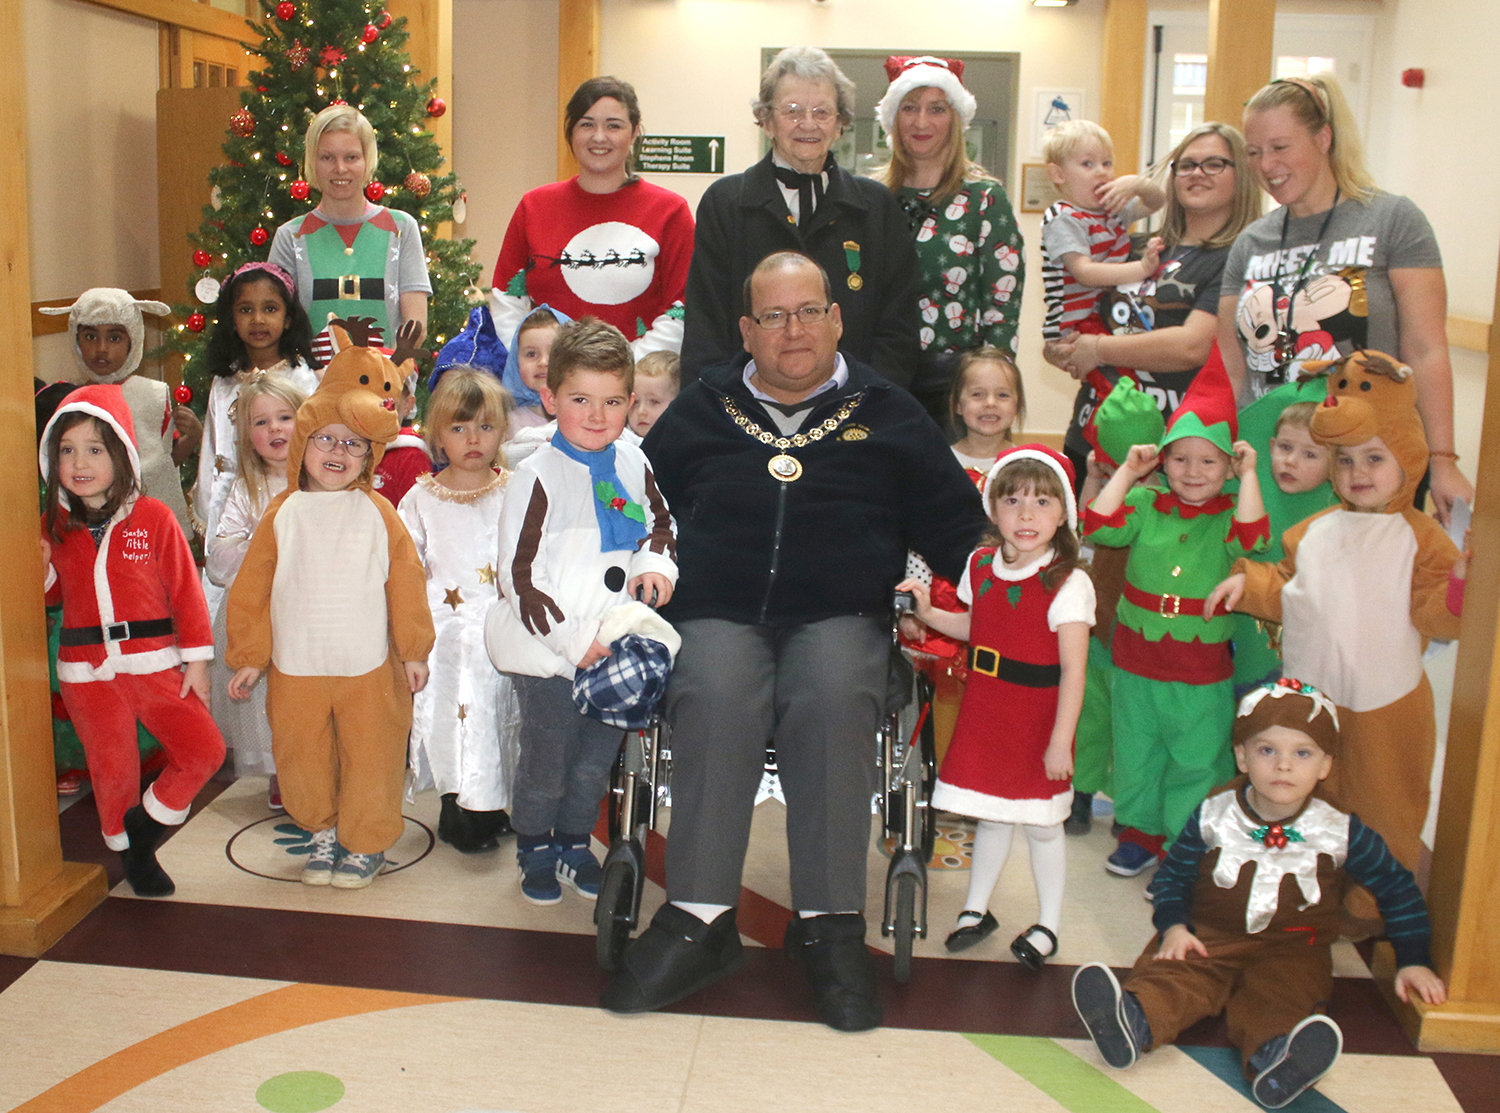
994, 768
133, 613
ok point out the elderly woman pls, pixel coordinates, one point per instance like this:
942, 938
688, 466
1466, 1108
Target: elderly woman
1167, 326
603, 243
798, 198
1341, 265
968, 246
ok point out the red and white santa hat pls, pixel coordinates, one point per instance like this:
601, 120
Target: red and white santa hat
1044, 455
105, 402
908, 73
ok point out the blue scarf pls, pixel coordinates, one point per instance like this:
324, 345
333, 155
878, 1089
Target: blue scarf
622, 523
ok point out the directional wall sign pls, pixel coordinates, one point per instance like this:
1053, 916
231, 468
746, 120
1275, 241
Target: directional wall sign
680, 154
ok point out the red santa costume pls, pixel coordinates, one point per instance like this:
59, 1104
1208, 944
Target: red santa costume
133, 612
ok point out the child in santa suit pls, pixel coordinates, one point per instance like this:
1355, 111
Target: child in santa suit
136, 640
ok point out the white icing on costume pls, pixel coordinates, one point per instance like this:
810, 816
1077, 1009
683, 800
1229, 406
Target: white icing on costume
1225, 824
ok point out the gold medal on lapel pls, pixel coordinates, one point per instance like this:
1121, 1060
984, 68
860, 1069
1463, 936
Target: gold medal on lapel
851, 259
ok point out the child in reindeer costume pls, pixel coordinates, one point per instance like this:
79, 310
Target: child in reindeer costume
332, 598
1360, 589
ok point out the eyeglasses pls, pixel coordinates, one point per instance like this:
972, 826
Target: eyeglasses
1213, 167
794, 113
355, 447
778, 318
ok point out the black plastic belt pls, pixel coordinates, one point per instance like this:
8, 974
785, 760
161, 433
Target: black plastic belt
986, 662
114, 632
349, 287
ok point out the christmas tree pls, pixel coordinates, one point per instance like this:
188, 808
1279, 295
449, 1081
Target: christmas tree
319, 52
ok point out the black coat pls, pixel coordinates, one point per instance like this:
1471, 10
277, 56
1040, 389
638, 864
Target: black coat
743, 218
752, 549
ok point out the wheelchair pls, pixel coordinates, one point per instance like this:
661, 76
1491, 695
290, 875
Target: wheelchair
639, 785
907, 760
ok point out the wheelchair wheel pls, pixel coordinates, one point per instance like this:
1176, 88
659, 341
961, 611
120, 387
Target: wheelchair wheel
906, 924
612, 914
615, 797
928, 742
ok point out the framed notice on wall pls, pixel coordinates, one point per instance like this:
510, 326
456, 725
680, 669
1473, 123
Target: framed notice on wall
1037, 190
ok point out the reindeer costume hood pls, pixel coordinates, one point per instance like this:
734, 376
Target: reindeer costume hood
1371, 394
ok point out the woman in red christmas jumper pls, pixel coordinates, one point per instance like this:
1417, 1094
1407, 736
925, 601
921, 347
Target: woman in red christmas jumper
136, 638
1011, 761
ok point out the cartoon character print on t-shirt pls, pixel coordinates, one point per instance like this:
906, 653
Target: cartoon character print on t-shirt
1327, 317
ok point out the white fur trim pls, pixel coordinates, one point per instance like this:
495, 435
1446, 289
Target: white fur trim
922, 73
105, 305
86, 407
120, 664
408, 440
196, 653
1045, 812
1032, 454
635, 617
117, 842
51, 577
159, 811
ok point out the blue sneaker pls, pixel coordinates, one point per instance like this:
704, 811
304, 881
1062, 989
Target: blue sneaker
1130, 859
325, 856
539, 882
355, 871
1116, 1022
578, 868
1296, 1060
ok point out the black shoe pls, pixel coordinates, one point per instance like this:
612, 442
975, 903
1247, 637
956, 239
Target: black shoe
674, 958
1025, 951
465, 831
142, 870
832, 951
1305, 1056
962, 938
1080, 820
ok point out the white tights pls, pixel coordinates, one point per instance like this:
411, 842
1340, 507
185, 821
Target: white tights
1049, 872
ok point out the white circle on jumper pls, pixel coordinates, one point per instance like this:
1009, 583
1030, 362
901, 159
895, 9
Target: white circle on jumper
609, 263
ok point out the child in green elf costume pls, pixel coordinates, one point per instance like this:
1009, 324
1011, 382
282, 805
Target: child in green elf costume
1172, 693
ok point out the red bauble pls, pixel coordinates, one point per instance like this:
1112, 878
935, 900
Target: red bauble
297, 55
384, 21
242, 123
196, 322
283, 158
299, 190
436, 107
182, 392
375, 191
418, 184
202, 258
369, 34
259, 236
285, 10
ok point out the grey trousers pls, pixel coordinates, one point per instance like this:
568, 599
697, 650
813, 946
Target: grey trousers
563, 771
818, 689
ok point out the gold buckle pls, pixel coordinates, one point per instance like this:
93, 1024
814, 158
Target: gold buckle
1176, 602
982, 652
348, 287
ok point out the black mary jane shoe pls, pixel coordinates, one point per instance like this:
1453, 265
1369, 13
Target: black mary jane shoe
1026, 954
961, 939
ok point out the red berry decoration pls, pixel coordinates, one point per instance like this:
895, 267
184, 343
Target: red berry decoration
375, 191
418, 184
297, 55
299, 190
259, 236
369, 34
242, 123
196, 322
436, 107
202, 258
617, 503
384, 21
285, 10
283, 158
182, 392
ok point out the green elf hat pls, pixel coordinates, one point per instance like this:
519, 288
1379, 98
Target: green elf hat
1127, 416
1208, 409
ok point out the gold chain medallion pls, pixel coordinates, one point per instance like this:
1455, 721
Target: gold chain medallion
785, 467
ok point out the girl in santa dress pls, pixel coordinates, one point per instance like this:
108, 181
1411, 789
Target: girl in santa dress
1011, 760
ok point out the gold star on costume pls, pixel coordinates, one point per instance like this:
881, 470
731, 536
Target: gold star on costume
486, 574
463, 711
452, 598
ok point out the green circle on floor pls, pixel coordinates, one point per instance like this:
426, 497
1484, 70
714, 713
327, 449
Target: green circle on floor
300, 1091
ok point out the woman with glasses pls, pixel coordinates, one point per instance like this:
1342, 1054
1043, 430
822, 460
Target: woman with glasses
798, 198
968, 246
1165, 328
1340, 266
604, 243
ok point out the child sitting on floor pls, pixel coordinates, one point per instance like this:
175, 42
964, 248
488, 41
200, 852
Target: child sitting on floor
1256, 943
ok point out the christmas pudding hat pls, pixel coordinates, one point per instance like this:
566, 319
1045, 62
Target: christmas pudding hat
1207, 409
1127, 416
359, 390
1372, 395
1292, 704
107, 404
104, 306
907, 74
1053, 461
